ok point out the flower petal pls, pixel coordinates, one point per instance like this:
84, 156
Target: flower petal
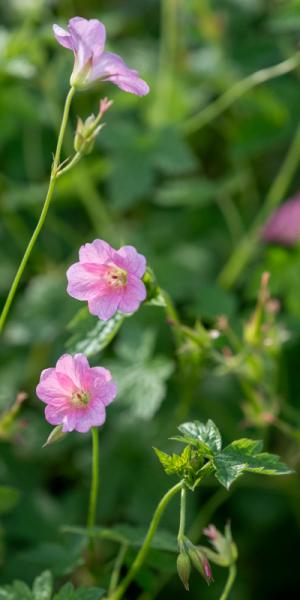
92, 416
134, 262
90, 32
63, 37
84, 280
98, 252
105, 306
111, 67
134, 293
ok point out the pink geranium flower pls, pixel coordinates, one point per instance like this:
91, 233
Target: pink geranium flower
75, 393
283, 227
108, 279
87, 39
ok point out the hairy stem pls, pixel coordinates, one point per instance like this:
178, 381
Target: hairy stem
95, 479
137, 563
52, 182
229, 582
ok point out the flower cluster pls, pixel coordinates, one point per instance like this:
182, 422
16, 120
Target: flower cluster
109, 280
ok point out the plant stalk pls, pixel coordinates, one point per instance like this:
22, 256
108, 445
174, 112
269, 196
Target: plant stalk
52, 182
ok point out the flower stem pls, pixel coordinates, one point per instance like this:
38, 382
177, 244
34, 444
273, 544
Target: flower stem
249, 244
117, 568
229, 582
52, 182
140, 557
95, 479
213, 110
182, 517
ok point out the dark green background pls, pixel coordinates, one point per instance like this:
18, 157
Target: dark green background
185, 201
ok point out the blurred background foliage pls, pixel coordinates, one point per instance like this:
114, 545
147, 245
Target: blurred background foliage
189, 189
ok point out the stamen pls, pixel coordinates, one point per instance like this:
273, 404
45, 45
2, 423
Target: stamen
80, 399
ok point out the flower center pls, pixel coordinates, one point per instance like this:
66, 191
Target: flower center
80, 399
115, 276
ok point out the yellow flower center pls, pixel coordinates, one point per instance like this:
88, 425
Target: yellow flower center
80, 399
116, 277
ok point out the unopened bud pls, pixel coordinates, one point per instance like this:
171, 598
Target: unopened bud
104, 105
200, 563
55, 436
86, 133
184, 568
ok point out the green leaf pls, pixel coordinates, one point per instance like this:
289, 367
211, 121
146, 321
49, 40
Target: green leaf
42, 586
55, 436
141, 379
90, 335
208, 434
67, 592
17, 591
89, 594
175, 463
244, 456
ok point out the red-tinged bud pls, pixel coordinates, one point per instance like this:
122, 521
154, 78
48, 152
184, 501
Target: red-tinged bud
184, 568
200, 563
104, 105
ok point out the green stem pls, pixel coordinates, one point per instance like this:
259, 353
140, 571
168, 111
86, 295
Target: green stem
167, 61
213, 110
248, 246
115, 576
52, 182
95, 479
181, 531
137, 563
229, 582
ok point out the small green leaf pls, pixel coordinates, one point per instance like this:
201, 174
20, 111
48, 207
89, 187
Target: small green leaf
208, 434
55, 436
175, 463
42, 586
65, 593
244, 456
90, 335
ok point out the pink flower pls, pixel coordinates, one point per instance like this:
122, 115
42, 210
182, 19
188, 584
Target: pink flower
284, 225
87, 39
75, 393
108, 279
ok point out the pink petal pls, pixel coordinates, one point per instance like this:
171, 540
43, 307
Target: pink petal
134, 262
84, 281
105, 306
133, 295
89, 32
111, 67
103, 392
92, 416
63, 37
51, 389
96, 252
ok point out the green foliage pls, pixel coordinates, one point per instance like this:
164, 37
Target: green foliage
128, 535
204, 456
141, 378
42, 589
244, 456
90, 335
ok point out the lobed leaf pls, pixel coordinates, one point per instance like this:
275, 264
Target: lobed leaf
90, 334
